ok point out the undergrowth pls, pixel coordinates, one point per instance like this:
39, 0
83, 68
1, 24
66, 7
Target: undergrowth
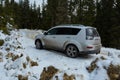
1, 42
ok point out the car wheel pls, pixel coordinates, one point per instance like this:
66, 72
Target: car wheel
71, 51
38, 44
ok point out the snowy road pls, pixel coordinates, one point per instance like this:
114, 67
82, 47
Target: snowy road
10, 68
58, 59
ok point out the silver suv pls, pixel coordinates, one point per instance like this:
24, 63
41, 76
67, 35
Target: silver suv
73, 39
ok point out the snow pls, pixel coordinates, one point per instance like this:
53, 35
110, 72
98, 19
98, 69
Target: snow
21, 42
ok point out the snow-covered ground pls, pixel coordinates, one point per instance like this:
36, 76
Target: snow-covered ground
19, 51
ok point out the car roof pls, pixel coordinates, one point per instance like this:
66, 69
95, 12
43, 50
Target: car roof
73, 26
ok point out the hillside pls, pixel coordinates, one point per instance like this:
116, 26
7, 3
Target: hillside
20, 60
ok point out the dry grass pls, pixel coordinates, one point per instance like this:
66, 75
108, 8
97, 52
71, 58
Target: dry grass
47, 74
66, 77
21, 77
114, 72
92, 66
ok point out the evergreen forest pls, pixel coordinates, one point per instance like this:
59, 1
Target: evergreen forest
102, 14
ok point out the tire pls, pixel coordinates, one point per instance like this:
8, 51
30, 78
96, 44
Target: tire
72, 51
38, 44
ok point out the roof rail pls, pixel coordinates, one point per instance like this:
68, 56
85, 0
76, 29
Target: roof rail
70, 25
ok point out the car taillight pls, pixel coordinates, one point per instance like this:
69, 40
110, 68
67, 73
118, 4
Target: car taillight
89, 37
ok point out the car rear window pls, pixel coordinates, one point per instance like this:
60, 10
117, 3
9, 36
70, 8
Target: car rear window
92, 32
67, 31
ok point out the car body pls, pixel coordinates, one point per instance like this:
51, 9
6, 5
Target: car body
73, 39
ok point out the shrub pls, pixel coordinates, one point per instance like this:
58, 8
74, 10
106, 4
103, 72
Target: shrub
5, 30
1, 42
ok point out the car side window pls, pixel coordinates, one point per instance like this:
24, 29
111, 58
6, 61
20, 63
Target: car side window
52, 31
67, 31
75, 31
63, 31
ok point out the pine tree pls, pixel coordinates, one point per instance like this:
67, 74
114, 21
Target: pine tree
86, 12
89, 12
44, 15
34, 6
1, 2
116, 25
39, 20
7, 9
1, 7
62, 12
79, 18
117, 10
72, 5
51, 12
103, 20
25, 14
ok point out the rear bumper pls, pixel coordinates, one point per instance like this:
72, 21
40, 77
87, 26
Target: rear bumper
95, 49
91, 52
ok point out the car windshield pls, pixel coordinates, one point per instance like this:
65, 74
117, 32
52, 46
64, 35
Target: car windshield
92, 32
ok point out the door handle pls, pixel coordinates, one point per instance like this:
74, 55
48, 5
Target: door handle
53, 37
67, 37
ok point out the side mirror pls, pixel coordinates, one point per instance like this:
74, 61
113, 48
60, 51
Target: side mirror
45, 33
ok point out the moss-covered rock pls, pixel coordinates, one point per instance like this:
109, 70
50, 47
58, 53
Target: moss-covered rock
24, 65
28, 59
92, 66
47, 74
67, 77
13, 56
33, 63
1, 57
103, 58
21, 77
114, 72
